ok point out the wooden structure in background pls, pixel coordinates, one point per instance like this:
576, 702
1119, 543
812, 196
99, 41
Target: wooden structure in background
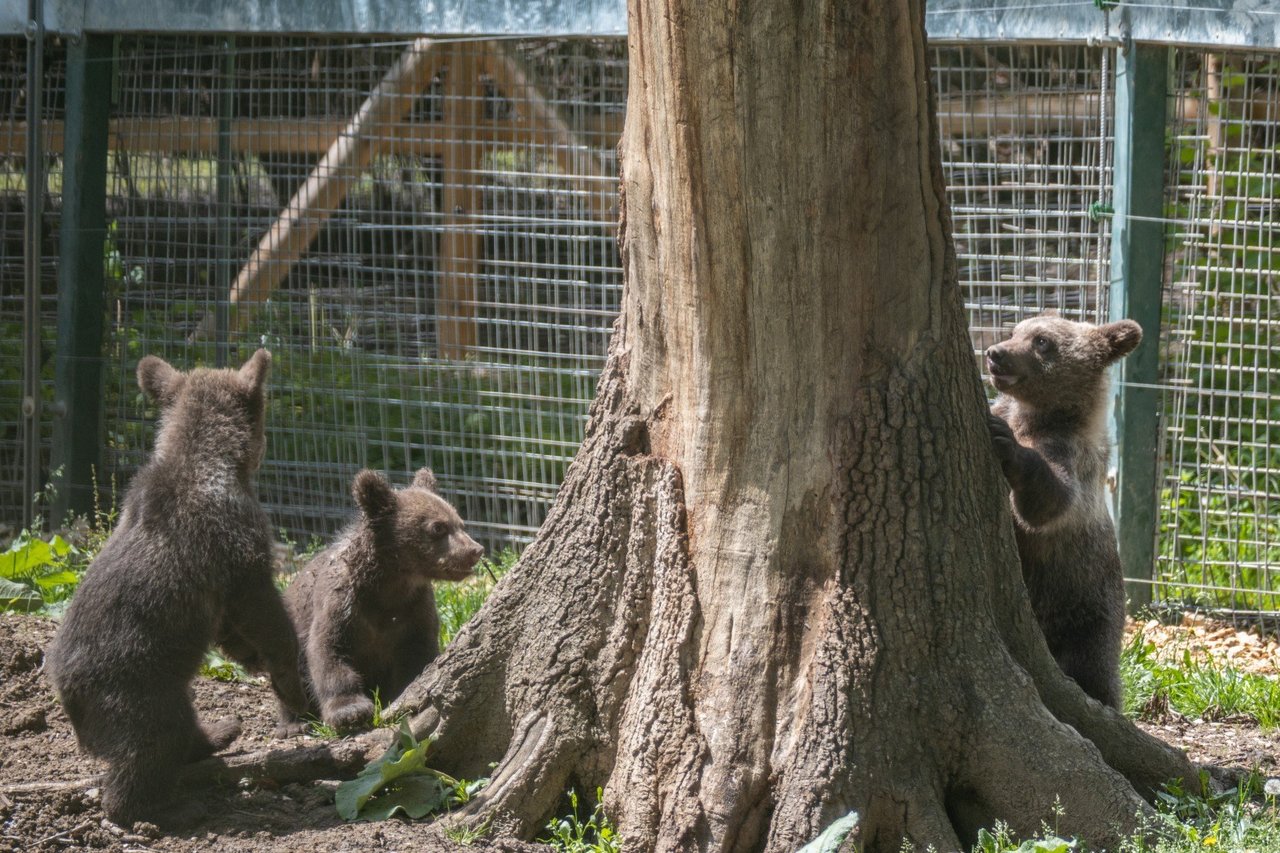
319, 196
379, 128
471, 73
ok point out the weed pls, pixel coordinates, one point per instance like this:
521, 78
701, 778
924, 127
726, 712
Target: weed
380, 719
570, 834
1238, 820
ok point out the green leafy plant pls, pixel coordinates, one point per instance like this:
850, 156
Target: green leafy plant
571, 834
34, 572
399, 782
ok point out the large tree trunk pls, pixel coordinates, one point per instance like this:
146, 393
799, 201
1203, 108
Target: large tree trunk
780, 581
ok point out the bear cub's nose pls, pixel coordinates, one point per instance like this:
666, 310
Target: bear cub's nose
996, 355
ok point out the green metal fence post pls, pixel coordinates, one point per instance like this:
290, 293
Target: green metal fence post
78, 430
1137, 262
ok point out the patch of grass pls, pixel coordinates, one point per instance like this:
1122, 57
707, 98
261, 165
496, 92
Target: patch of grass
1205, 690
571, 834
458, 602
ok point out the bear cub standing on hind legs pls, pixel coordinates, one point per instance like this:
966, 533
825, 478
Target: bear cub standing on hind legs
1049, 433
364, 608
188, 563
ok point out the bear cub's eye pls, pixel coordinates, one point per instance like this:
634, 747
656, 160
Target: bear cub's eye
1042, 344
437, 529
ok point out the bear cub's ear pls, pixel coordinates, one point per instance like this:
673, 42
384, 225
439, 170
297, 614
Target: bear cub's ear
373, 494
424, 479
255, 370
1122, 337
158, 379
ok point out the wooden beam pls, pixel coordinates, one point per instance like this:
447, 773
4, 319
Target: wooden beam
457, 260
196, 137
341, 167
538, 122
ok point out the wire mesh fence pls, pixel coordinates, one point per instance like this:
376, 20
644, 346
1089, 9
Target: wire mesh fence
1219, 542
423, 232
1026, 153
432, 265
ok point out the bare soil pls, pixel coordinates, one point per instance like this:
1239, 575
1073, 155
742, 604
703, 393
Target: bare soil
38, 746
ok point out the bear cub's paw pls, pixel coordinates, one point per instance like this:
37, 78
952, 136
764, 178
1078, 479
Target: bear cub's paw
1003, 443
348, 712
288, 729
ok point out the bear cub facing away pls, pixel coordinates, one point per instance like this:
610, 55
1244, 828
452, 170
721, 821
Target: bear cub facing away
1049, 433
188, 563
364, 608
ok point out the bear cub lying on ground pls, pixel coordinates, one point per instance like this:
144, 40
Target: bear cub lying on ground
188, 563
364, 608
1049, 432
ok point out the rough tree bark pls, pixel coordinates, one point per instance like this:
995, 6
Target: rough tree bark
780, 581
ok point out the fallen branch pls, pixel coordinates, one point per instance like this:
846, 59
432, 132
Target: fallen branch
23, 788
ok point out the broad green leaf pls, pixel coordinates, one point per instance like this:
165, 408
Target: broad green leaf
61, 578
833, 836
414, 796
19, 597
404, 756
26, 555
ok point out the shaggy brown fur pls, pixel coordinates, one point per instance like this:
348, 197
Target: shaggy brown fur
364, 608
1048, 430
188, 562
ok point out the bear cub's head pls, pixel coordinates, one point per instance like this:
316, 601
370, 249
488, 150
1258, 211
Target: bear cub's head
210, 412
427, 534
1050, 361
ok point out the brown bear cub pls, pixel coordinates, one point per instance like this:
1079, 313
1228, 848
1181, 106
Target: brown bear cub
189, 562
364, 608
1049, 432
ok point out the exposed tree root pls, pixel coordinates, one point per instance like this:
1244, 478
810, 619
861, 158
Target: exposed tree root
332, 760
528, 782
1045, 766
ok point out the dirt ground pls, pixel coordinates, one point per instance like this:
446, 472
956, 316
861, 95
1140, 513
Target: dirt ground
37, 745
